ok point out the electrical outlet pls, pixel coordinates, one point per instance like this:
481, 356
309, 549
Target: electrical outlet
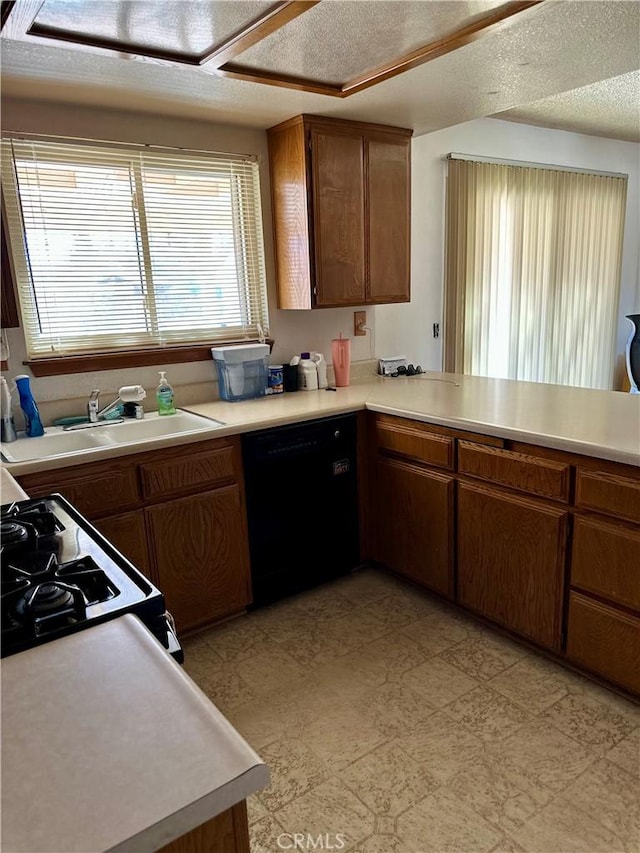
359, 320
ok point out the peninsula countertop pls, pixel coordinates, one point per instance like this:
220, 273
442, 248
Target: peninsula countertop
124, 735
601, 424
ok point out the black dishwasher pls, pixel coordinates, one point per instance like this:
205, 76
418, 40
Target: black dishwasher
302, 505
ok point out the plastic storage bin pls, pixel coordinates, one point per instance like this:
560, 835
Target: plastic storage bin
242, 371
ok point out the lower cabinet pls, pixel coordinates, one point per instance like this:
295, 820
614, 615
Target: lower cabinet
604, 640
126, 532
200, 551
226, 833
511, 561
177, 513
603, 625
412, 528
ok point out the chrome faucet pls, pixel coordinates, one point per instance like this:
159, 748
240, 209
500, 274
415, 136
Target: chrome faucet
129, 394
95, 414
92, 406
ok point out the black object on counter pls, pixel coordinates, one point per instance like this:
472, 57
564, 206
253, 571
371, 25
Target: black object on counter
290, 376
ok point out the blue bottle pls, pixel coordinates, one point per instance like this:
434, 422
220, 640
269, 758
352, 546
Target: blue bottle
32, 423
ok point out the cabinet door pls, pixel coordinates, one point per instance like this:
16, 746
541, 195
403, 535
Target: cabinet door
201, 555
412, 523
511, 561
9, 308
126, 532
389, 220
338, 214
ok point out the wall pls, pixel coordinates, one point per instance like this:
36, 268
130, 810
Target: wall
412, 324
397, 329
293, 331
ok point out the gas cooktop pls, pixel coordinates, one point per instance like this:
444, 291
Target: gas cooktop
60, 575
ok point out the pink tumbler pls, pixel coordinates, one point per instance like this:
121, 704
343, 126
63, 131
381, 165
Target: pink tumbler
341, 355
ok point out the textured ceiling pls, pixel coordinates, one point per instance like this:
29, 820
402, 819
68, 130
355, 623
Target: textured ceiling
185, 26
609, 108
558, 47
337, 41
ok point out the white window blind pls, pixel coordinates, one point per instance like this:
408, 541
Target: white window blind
119, 247
533, 272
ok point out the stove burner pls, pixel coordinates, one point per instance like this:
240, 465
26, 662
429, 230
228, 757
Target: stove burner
13, 533
37, 516
35, 602
44, 598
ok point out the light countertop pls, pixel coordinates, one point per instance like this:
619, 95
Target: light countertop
603, 424
125, 754
10, 491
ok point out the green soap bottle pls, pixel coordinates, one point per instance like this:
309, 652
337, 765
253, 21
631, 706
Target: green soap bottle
164, 396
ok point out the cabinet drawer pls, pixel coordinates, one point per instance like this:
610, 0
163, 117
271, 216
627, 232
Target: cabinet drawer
605, 560
179, 473
95, 490
415, 442
604, 640
608, 493
516, 470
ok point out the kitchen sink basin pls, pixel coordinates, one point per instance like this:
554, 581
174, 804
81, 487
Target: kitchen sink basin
60, 442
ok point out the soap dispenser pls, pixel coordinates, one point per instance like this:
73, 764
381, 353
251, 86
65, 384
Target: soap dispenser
164, 396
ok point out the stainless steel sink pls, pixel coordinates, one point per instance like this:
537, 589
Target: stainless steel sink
59, 442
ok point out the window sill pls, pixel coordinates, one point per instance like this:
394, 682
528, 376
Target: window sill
90, 362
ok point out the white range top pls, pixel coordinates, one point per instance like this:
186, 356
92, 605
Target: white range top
124, 752
603, 424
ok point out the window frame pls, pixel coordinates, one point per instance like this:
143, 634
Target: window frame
144, 354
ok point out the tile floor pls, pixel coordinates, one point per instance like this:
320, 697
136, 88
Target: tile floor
406, 727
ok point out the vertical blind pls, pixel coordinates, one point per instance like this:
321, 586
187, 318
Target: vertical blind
120, 247
533, 260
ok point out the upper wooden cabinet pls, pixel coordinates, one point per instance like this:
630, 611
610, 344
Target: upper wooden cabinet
9, 308
341, 211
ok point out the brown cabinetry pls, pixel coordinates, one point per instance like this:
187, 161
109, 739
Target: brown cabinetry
341, 210
604, 640
608, 493
200, 550
127, 533
177, 514
544, 477
411, 503
226, 833
546, 544
606, 560
9, 316
95, 490
511, 561
413, 523
603, 624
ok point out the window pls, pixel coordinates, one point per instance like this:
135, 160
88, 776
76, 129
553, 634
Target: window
118, 248
533, 272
